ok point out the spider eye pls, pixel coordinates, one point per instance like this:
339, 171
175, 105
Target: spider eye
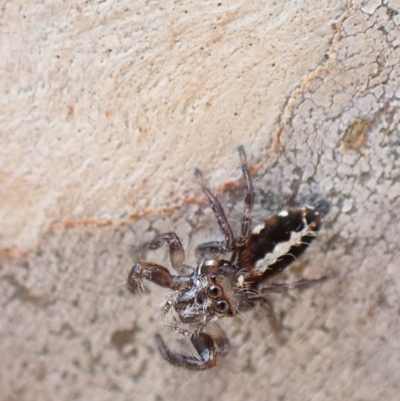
213, 277
221, 306
214, 291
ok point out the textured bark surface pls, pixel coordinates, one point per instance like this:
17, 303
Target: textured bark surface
106, 109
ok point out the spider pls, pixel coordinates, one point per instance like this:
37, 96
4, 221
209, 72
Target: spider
219, 287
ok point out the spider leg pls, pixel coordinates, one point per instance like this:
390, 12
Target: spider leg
207, 248
176, 252
272, 319
157, 274
220, 339
248, 201
230, 241
204, 346
218, 212
267, 305
271, 287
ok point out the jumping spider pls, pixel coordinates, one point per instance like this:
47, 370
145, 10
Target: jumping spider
220, 287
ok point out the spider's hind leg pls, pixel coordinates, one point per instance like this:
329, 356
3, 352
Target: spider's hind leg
248, 201
277, 288
218, 212
272, 319
230, 241
283, 287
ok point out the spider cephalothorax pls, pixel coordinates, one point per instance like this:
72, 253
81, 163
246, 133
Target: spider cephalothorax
220, 288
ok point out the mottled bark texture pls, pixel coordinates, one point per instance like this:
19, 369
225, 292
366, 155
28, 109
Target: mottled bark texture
107, 107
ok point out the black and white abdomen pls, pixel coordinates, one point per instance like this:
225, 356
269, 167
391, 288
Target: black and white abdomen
274, 244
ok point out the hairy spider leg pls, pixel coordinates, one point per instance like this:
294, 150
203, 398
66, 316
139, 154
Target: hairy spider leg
207, 248
279, 288
218, 212
204, 345
230, 241
301, 284
248, 201
272, 319
157, 274
220, 339
176, 252
218, 335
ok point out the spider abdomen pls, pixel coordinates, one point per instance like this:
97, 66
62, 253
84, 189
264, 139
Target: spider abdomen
282, 238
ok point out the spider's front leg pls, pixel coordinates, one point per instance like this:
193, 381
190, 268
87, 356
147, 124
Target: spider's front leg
204, 346
176, 252
158, 274
155, 273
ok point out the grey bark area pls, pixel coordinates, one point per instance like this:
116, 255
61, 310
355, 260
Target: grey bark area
70, 331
